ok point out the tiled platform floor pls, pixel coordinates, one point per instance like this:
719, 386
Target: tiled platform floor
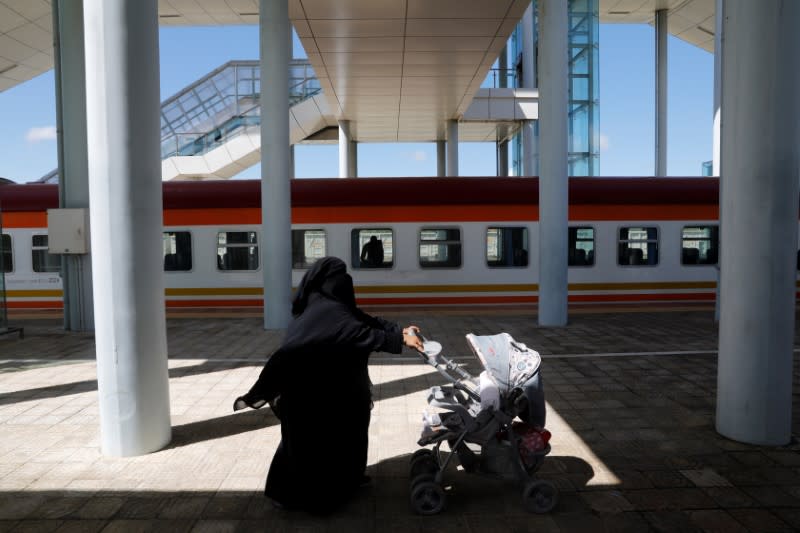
631, 401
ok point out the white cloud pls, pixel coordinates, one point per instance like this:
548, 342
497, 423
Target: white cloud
44, 133
604, 143
419, 155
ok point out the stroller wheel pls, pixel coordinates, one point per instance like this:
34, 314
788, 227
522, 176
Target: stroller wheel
427, 498
421, 478
540, 496
422, 452
424, 464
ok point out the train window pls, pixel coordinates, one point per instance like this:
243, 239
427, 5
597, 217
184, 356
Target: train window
638, 246
43, 261
308, 245
699, 245
440, 248
6, 258
372, 248
581, 246
177, 248
507, 247
237, 250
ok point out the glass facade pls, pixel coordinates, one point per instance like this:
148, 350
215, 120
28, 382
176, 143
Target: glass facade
584, 108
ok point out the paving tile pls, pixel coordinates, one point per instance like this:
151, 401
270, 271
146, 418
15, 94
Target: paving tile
760, 520
81, 526
716, 521
34, 526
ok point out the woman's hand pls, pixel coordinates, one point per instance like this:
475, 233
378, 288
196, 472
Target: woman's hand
410, 338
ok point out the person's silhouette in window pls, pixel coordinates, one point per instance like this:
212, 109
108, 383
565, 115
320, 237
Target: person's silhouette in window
372, 253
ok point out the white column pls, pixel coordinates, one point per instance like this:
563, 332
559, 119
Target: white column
760, 140
530, 147
276, 195
718, 37
352, 158
441, 158
661, 93
530, 138
452, 148
344, 149
73, 186
716, 145
502, 144
291, 162
123, 131
553, 180
502, 158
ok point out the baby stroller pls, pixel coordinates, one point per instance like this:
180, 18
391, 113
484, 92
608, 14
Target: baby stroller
477, 418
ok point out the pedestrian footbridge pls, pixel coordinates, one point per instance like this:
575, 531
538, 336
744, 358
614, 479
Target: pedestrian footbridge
212, 128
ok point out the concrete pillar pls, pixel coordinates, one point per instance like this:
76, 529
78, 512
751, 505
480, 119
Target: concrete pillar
661, 93
553, 181
123, 131
452, 148
352, 158
718, 38
441, 158
530, 137
760, 157
502, 158
291, 162
530, 147
73, 185
345, 165
502, 144
276, 194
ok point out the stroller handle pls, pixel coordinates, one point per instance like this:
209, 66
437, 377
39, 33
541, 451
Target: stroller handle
445, 366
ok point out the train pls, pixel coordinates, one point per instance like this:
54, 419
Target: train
444, 241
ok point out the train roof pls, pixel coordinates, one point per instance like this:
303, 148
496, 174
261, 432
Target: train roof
331, 192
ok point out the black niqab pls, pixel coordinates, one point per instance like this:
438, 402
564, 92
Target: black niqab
328, 276
324, 355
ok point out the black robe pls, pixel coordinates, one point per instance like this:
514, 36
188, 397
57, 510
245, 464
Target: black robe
320, 376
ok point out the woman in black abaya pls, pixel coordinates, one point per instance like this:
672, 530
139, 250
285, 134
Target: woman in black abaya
320, 381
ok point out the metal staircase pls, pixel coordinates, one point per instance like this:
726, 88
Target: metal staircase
219, 106
216, 111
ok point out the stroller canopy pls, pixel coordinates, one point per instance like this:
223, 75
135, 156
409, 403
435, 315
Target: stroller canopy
508, 362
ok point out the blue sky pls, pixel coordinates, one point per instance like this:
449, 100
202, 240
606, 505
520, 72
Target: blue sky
27, 112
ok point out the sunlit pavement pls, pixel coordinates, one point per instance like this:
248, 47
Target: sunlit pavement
631, 400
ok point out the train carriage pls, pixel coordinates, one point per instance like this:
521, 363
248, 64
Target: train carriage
446, 241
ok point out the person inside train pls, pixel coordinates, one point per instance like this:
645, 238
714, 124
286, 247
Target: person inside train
318, 385
372, 253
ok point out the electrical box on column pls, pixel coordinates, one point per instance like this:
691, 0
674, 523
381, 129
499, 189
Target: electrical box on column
68, 231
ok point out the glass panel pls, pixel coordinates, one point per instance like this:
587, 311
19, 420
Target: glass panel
372, 248
308, 245
507, 247
5, 251
638, 246
42, 260
3, 314
581, 246
177, 248
440, 248
699, 245
237, 250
